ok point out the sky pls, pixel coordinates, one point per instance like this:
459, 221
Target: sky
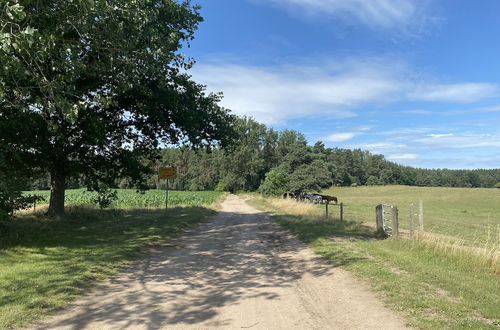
415, 80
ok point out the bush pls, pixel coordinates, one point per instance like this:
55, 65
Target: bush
275, 184
12, 199
231, 183
105, 197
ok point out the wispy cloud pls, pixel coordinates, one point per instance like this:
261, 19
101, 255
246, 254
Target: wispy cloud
374, 13
328, 89
417, 112
274, 95
464, 93
397, 157
340, 137
363, 128
489, 109
459, 141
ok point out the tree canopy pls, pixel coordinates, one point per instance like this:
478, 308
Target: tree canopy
90, 89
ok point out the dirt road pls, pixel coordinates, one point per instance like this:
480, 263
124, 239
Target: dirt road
239, 270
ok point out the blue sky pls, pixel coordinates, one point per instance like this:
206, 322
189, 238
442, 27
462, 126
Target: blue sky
414, 80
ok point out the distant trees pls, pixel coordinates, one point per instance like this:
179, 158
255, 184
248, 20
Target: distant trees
263, 159
259, 150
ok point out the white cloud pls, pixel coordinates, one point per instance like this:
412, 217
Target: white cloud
382, 146
340, 137
402, 157
328, 89
363, 128
490, 109
374, 13
438, 136
275, 95
458, 141
463, 93
417, 112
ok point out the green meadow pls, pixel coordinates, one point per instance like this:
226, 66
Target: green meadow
446, 278
471, 214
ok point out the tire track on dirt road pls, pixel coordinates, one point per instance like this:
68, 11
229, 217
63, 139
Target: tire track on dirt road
238, 270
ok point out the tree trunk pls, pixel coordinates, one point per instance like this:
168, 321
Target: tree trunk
57, 192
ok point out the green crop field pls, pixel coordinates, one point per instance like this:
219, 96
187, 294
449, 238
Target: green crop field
472, 214
129, 198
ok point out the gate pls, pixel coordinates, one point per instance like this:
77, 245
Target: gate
387, 220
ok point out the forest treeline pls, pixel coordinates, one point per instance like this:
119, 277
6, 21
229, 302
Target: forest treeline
260, 151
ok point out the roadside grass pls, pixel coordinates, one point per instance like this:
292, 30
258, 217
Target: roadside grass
434, 287
45, 263
469, 214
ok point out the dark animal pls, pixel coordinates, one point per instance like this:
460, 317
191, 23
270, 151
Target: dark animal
327, 198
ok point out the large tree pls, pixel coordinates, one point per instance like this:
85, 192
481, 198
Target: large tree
91, 89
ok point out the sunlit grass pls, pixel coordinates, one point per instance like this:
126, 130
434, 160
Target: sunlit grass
437, 281
470, 214
45, 262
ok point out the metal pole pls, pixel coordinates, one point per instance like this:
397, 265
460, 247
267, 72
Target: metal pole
341, 212
166, 196
379, 211
326, 208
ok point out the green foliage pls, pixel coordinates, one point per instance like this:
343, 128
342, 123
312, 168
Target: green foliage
275, 184
230, 183
497, 185
105, 197
89, 89
130, 198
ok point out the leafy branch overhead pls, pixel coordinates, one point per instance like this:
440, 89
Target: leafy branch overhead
91, 88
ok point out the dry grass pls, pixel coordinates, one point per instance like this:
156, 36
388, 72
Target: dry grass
484, 253
443, 281
291, 206
487, 256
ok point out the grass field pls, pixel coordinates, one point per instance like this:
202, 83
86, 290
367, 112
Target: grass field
45, 262
471, 214
129, 198
433, 285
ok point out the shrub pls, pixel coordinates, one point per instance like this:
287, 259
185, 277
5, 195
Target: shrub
276, 183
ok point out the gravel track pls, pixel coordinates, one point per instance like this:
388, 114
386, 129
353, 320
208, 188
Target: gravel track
238, 270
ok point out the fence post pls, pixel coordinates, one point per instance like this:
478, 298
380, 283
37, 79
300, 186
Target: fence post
380, 219
326, 208
412, 212
341, 212
421, 214
395, 223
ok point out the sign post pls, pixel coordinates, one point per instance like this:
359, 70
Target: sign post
167, 173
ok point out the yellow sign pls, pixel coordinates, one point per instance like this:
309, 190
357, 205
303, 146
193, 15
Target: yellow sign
167, 173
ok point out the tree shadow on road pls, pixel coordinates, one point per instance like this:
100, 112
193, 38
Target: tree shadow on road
231, 258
